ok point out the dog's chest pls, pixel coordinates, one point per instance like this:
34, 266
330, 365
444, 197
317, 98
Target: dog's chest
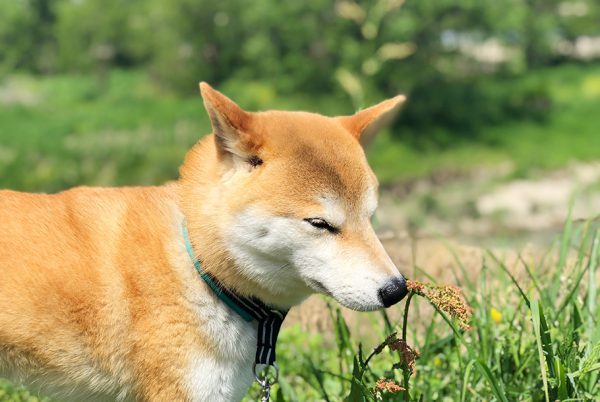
225, 372
220, 368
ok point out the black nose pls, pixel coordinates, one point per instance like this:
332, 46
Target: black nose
393, 291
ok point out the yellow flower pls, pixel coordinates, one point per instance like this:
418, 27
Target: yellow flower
496, 315
437, 362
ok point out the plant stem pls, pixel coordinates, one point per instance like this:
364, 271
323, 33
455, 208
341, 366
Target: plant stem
405, 372
404, 322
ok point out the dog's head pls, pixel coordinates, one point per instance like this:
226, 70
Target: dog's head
292, 198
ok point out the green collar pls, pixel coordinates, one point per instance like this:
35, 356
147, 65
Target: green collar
249, 308
210, 280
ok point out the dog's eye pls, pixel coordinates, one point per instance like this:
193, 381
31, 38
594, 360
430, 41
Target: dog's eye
320, 223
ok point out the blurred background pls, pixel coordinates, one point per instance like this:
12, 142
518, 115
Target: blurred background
501, 127
498, 143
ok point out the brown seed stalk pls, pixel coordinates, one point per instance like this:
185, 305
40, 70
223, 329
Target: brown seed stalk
383, 384
448, 299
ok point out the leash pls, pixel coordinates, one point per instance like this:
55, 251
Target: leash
269, 321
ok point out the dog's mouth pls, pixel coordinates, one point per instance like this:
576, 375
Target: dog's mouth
318, 286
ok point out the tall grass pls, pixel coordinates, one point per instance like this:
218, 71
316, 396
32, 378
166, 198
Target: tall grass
535, 337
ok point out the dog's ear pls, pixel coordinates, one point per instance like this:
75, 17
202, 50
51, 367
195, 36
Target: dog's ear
366, 123
230, 124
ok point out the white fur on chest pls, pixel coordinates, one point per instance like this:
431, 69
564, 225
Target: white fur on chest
224, 373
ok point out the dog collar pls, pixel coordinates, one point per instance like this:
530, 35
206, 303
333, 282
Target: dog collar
249, 308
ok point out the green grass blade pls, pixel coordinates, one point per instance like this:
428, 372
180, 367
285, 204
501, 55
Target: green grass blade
536, 315
565, 240
425, 274
286, 391
536, 283
389, 327
572, 292
583, 243
456, 331
512, 278
578, 264
318, 376
546, 341
577, 322
496, 387
592, 291
561, 377
434, 347
468, 368
343, 340
593, 328
357, 393
465, 274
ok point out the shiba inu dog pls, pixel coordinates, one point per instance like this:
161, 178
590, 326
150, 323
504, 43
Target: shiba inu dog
171, 293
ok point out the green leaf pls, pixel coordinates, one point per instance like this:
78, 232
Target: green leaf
497, 388
544, 345
561, 376
356, 388
468, 368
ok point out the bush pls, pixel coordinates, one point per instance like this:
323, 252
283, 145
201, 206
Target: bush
442, 111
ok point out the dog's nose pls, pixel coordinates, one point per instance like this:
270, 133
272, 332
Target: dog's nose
393, 291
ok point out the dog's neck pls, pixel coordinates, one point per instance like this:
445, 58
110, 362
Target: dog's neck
199, 199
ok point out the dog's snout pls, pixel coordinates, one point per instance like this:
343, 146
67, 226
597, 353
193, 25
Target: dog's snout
393, 291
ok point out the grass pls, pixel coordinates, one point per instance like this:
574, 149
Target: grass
537, 339
123, 129
80, 131
569, 134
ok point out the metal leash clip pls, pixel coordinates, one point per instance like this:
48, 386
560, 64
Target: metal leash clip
262, 377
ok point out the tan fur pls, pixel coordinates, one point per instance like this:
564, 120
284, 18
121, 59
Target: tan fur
87, 288
94, 290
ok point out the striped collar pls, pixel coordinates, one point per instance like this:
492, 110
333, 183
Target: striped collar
249, 308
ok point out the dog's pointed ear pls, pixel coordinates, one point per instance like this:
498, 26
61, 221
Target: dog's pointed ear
366, 123
230, 124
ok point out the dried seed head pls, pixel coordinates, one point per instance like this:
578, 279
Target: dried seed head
408, 355
388, 385
446, 298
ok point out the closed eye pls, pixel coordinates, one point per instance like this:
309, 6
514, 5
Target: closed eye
321, 223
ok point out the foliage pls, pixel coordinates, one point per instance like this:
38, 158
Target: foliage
363, 50
61, 131
469, 107
11, 393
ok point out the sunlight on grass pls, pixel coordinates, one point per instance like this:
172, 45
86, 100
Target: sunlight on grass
156, 128
532, 345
